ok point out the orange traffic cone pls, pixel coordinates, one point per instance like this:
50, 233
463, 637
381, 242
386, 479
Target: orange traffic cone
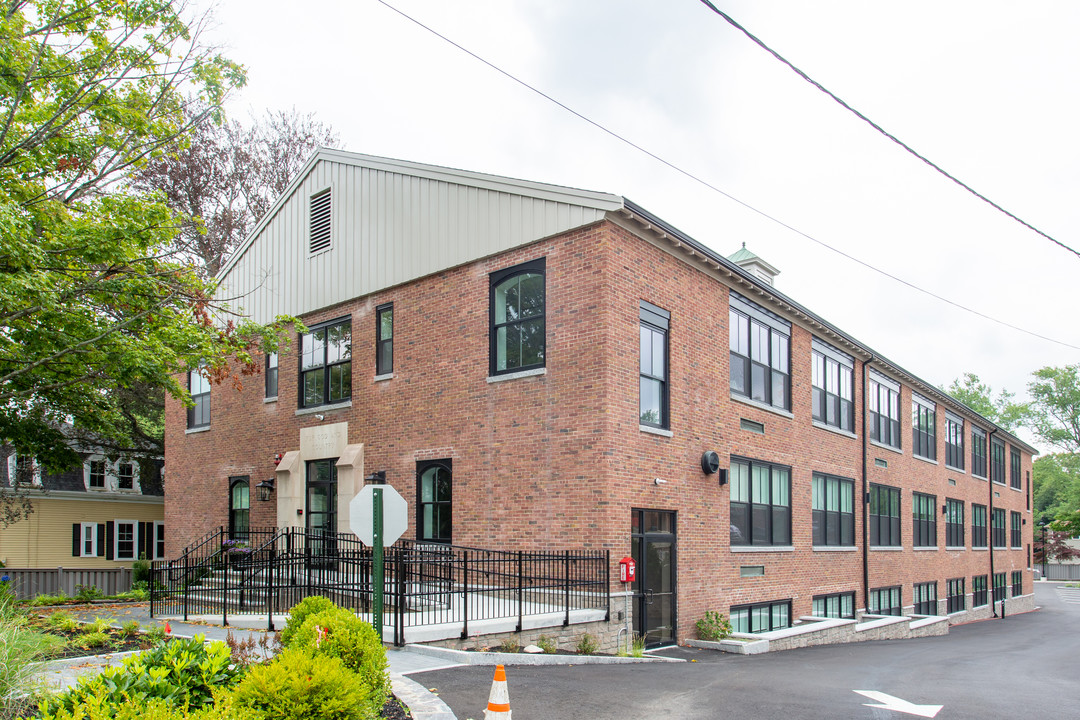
499, 699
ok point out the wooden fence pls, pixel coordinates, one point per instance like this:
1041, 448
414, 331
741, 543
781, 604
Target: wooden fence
31, 582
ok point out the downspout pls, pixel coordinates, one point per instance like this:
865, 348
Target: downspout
990, 513
866, 496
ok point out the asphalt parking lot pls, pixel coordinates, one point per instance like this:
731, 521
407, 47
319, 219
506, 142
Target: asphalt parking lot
1024, 666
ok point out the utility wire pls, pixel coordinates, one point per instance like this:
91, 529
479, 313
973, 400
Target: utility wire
715, 189
882, 130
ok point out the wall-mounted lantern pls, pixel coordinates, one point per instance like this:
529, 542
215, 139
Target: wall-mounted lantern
378, 477
264, 490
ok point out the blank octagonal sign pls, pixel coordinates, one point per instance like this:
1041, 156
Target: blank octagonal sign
395, 514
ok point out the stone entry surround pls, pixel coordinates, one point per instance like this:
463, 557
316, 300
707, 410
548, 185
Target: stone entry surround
319, 443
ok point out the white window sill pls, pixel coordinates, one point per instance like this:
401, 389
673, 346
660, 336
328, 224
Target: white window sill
270, 399
926, 548
956, 469
384, 376
886, 548
192, 431
890, 448
823, 426
516, 375
1019, 490
924, 459
835, 548
762, 548
762, 406
955, 548
979, 477
979, 549
324, 408
655, 431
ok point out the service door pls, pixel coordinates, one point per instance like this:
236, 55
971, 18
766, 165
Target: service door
653, 538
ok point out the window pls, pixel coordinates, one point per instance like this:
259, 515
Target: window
999, 587
833, 397
837, 605
125, 476
954, 441
198, 415
1014, 528
97, 474
1017, 583
924, 520
1014, 469
760, 503
760, 353
271, 375
434, 491
955, 601
926, 598
997, 534
239, 507
517, 318
833, 510
761, 617
885, 601
954, 523
653, 405
883, 406
978, 452
923, 428
997, 461
884, 516
978, 526
159, 541
125, 540
88, 542
326, 364
320, 228
384, 339
978, 591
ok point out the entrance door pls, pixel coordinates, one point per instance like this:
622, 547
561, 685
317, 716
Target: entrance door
653, 537
322, 506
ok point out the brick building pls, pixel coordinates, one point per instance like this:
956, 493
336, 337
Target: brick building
541, 367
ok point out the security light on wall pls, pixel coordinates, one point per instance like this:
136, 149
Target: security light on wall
264, 489
378, 477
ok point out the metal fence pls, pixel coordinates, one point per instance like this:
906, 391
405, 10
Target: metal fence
424, 583
1055, 571
30, 582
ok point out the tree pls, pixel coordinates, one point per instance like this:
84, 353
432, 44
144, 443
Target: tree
92, 299
1055, 481
1050, 546
1055, 406
1001, 410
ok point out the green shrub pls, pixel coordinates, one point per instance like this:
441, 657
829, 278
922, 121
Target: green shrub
99, 625
714, 626
299, 685
587, 644
140, 570
129, 629
62, 621
637, 646
139, 594
86, 593
100, 707
350, 639
548, 645
300, 612
509, 645
155, 634
42, 600
90, 640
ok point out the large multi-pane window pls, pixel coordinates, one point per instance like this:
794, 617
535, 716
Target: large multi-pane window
97, 474
978, 526
924, 520
883, 408
1000, 589
833, 374
923, 428
760, 353
1017, 583
997, 534
836, 605
978, 591
1014, 470
997, 461
884, 516
954, 441
885, 601
271, 375
954, 523
1015, 536
978, 452
761, 617
125, 540
955, 600
435, 501
760, 503
518, 326
125, 476
198, 415
653, 386
326, 364
925, 596
384, 339
833, 510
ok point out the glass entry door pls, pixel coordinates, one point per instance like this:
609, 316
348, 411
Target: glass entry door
653, 539
321, 509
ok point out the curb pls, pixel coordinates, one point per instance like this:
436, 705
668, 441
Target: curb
466, 657
422, 703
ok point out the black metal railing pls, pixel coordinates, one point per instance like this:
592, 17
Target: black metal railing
425, 584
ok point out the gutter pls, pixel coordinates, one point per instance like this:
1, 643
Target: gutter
990, 514
866, 496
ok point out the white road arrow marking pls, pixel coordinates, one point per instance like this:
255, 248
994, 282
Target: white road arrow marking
888, 702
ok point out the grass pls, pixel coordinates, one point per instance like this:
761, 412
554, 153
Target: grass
20, 645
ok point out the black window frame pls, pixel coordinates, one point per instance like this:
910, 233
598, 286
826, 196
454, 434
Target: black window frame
497, 279
1000, 588
654, 323
955, 600
1015, 481
924, 598
1016, 535
979, 594
326, 367
384, 346
1017, 583
751, 607
997, 529
979, 538
832, 385
832, 527
895, 597
438, 505
954, 523
834, 609
270, 389
923, 520
923, 428
198, 415
237, 530
884, 427
888, 497
997, 461
978, 452
778, 534
745, 364
954, 441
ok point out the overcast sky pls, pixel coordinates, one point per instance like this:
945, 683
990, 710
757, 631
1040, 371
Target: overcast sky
988, 90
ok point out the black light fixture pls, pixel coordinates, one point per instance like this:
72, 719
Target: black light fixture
378, 477
264, 489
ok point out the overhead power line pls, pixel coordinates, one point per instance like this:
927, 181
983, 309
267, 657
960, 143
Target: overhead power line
882, 130
715, 189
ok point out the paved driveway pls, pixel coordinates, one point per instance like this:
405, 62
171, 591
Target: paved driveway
1025, 666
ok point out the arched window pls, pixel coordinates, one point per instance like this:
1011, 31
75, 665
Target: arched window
239, 507
434, 494
517, 318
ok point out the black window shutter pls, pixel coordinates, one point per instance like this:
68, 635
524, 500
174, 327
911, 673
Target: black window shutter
101, 539
110, 535
76, 540
148, 540
138, 539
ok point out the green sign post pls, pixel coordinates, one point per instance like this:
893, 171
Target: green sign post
377, 552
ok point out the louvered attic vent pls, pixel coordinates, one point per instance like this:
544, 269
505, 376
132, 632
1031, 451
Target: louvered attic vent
320, 223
